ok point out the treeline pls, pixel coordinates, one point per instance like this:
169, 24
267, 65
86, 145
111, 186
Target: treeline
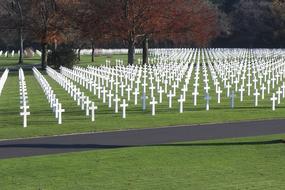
47, 24
251, 23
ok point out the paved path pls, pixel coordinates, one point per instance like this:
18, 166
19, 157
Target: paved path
82, 142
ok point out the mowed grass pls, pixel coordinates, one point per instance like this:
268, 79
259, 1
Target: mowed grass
85, 60
43, 123
8, 62
247, 163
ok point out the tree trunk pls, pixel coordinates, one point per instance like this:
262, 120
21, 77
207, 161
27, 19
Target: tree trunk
21, 46
21, 33
44, 55
93, 53
131, 52
145, 50
79, 55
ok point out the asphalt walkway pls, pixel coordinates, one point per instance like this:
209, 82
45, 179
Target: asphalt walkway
139, 137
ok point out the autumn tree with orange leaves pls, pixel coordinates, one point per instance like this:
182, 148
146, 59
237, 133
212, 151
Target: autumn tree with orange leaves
132, 21
48, 23
90, 23
136, 21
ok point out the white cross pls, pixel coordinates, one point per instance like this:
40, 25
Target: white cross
25, 113
59, 111
184, 90
124, 106
263, 88
181, 100
195, 94
243, 78
248, 88
144, 86
136, 93
228, 86
55, 107
174, 86
256, 94
153, 103
160, 91
77, 96
116, 86
129, 89
116, 100
273, 82
110, 95
219, 92
81, 99
273, 99
196, 84
99, 91
170, 96
104, 91
255, 82
87, 103
241, 93
93, 108
216, 83
207, 88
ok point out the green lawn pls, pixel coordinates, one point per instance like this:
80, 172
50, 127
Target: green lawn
100, 59
43, 123
247, 163
13, 61
85, 60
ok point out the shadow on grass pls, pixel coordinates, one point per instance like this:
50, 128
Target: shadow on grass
101, 146
223, 144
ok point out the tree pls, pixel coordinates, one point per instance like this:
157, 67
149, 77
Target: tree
278, 7
138, 20
15, 10
42, 20
92, 22
253, 23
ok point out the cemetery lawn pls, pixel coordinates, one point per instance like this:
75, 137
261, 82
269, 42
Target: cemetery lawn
245, 163
84, 62
13, 61
43, 123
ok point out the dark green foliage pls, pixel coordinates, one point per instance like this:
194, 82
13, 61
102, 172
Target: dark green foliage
62, 56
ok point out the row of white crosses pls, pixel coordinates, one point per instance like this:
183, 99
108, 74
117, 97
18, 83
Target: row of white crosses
94, 87
78, 96
260, 76
23, 97
129, 80
55, 105
172, 73
3, 80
